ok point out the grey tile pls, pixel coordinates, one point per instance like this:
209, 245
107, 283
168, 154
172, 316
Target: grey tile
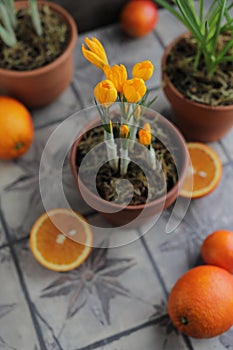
21, 201
162, 105
104, 293
3, 239
182, 246
227, 142
214, 212
219, 343
84, 82
10, 172
153, 337
168, 27
17, 330
176, 252
56, 111
217, 147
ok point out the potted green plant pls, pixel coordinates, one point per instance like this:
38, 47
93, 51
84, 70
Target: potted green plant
130, 161
36, 50
197, 69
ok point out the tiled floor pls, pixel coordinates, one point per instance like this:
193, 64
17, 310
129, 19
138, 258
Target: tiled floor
117, 299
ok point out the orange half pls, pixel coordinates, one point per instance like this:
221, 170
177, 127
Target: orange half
204, 173
50, 242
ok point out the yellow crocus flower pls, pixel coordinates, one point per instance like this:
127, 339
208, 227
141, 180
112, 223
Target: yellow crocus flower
147, 127
145, 135
95, 53
117, 74
134, 89
143, 70
105, 92
124, 131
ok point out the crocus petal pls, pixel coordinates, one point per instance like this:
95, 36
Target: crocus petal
105, 92
97, 49
134, 89
143, 70
144, 137
124, 131
95, 53
93, 58
117, 74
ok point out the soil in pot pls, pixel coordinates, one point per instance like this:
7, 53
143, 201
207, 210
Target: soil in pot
32, 51
161, 180
196, 85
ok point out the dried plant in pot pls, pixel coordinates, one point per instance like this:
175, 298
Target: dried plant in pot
36, 50
130, 162
197, 69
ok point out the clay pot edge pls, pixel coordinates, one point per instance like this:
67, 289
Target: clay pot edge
52, 65
72, 160
167, 82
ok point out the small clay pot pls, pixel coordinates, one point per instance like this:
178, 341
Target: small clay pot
197, 122
41, 86
127, 215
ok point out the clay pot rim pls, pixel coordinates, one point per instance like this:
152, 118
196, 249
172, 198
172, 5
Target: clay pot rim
52, 65
155, 202
167, 82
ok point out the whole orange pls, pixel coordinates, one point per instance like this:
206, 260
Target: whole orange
217, 249
201, 301
138, 17
16, 128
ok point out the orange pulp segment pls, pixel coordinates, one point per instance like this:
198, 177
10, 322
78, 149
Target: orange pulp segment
50, 242
204, 172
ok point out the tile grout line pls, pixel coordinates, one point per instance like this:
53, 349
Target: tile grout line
62, 118
51, 123
160, 278
75, 91
225, 151
125, 333
153, 263
22, 283
4, 245
158, 37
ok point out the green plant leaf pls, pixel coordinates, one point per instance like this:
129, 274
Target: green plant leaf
201, 9
35, 17
206, 29
223, 52
5, 18
8, 38
6, 30
9, 4
221, 8
170, 8
190, 18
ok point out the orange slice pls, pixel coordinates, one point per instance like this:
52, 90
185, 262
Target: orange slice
204, 173
50, 242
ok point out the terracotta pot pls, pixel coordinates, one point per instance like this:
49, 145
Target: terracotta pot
198, 122
41, 86
128, 214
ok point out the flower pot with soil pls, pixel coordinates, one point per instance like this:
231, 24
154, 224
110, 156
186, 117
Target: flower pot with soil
197, 69
36, 50
131, 162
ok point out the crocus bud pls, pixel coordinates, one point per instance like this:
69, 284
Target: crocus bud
117, 74
143, 70
124, 131
145, 135
95, 53
105, 92
134, 89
